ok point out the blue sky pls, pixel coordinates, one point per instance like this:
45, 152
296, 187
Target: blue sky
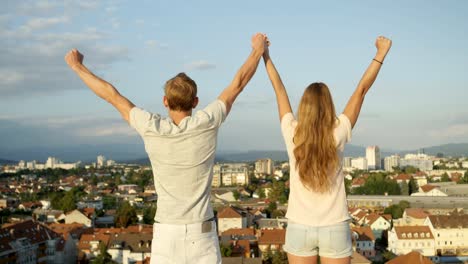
418, 100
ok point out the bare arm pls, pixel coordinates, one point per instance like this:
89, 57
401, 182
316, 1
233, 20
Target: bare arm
245, 73
100, 87
282, 98
353, 108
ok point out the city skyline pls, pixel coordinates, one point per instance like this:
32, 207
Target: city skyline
139, 47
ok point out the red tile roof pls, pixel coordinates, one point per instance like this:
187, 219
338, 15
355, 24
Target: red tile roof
403, 177
272, 237
427, 188
413, 232
85, 240
364, 233
35, 232
239, 232
413, 257
418, 213
229, 212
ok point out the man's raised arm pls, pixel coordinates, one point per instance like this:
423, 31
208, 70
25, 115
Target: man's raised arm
100, 87
245, 73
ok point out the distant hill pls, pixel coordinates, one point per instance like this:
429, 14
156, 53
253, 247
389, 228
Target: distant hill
135, 153
452, 149
7, 162
279, 155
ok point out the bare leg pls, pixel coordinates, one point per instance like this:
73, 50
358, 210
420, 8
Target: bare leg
346, 260
292, 259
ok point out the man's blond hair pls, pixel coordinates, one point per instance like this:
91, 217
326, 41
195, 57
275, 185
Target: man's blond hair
180, 92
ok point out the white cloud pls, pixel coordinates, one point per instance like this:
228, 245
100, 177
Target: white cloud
38, 7
454, 131
140, 22
200, 65
10, 77
111, 9
42, 23
105, 131
154, 44
115, 23
151, 43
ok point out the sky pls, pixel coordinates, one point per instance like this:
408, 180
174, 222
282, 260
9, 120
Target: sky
418, 100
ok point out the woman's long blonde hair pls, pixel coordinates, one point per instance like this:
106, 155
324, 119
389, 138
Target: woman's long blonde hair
315, 151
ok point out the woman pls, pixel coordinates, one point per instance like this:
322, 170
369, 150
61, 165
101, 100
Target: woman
317, 209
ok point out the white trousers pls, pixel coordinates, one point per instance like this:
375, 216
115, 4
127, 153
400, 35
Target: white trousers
181, 244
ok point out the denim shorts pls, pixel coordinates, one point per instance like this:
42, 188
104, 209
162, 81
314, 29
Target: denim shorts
327, 241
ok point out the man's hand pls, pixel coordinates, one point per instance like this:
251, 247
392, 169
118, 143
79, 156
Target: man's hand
259, 42
74, 58
383, 45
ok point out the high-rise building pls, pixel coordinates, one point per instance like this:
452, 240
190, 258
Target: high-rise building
264, 166
228, 174
347, 162
391, 161
420, 161
359, 163
373, 158
52, 162
100, 161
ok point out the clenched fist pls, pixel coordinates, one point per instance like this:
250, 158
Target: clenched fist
383, 45
74, 58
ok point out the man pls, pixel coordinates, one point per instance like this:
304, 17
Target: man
181, 149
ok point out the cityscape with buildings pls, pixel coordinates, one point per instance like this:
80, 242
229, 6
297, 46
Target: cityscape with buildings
402, 207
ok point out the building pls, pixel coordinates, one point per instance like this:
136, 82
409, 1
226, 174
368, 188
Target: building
450, 233
414, 217
373, 158
216, 181
100, 161
359, 163
404, 239
377, 224
364, 241
421, 161
429, 190
76, 216
228, 174
271, 240
30, 242
391, 161
347, 162
230, 217
264, 167
128, 248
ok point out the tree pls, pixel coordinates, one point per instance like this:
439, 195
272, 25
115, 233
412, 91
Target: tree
261, 193
388, 255
126, 215
148, 214
410, 170
404, 188
378, 184
103, 257
279, 258
413, 186
236, 194
226, 250
445, 177
464, 179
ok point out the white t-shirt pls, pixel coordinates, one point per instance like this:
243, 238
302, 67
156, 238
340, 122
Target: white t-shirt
182, 158
306, 206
